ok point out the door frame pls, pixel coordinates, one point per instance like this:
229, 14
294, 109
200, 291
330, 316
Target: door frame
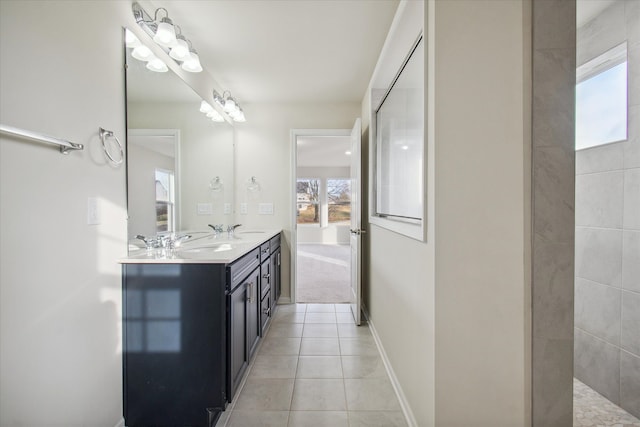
294, 134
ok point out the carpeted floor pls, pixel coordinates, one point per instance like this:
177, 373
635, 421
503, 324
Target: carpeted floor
323, 273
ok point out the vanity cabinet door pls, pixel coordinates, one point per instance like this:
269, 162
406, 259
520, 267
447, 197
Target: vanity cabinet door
275, 276
243, 329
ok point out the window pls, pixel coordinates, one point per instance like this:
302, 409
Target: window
165, 201
601, 99
307, 199
339, 200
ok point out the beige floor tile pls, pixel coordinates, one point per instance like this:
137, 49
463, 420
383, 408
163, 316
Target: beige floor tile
319, 367
350, 330
361, 346
363, 367
344, 318
321, 308
343, 308
320, 318
318, 395
375, 394
320, 347
285, 330
277, 346
288, 317
320, 330
376, 419
291, 308
258, 419
318, 419
260, 394
266, 366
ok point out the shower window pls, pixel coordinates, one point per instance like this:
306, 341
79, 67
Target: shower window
601, 99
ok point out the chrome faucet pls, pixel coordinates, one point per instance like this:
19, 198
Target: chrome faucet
170, 241
217, 229
231, 229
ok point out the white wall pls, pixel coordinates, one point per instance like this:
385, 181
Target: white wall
61, 73
263, 150
452, 313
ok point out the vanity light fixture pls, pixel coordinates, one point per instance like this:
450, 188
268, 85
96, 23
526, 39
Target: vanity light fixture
131, 40
164, 33
230, 106
211, 112
156, 65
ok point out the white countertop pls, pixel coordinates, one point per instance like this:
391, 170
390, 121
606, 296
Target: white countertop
208, 249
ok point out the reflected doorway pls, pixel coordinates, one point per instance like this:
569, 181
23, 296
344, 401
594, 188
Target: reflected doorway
322, 209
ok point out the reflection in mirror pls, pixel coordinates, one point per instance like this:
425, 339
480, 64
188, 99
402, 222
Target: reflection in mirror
180, 162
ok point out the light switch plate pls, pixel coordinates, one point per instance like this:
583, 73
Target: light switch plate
93, 212
205, 209
227, 208
243, 208
265, 209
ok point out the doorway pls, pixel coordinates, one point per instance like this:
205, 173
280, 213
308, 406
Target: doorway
322, 270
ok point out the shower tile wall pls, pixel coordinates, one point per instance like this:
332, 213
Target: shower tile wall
607, 259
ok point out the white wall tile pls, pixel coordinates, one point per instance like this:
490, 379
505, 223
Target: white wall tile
599, 199
630, 382
597, 364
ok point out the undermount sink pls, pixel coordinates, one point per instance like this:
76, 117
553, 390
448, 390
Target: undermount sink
250, 232
216, 247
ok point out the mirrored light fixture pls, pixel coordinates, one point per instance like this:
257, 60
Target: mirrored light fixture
156, 65
230, 106
164, 34
211, 112
131, 40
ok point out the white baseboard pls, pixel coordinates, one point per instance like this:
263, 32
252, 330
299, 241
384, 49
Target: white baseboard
404, 404
120, 423
284, 300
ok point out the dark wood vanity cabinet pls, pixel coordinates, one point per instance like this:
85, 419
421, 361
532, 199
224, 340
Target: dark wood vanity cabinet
190, 332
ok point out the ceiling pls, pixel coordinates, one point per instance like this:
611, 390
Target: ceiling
286, 51
323, 151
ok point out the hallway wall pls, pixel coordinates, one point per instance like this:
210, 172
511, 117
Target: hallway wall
452, 312
607, 288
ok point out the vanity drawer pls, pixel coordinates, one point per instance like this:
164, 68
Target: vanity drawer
265, 250
243, 267
274, 243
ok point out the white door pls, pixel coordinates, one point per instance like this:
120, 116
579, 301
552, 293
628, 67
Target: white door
356, 223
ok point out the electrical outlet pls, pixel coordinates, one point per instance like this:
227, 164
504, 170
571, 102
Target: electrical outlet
93, 212
243, 208
265, 209
227, 208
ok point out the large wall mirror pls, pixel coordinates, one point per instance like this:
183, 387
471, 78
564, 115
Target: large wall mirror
180, 162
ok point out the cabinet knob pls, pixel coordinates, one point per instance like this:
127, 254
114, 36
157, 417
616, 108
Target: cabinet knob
266, 276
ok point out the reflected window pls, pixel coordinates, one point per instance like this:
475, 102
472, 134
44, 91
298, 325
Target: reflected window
308, 200
165, 200
339, 200
601, 99
153, 321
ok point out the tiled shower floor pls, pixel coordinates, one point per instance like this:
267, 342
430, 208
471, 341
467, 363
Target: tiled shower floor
591, 409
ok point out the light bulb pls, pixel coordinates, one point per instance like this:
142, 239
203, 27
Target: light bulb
165, 34
157, 65
216, 117
192, 64
205, 107
142, 53
230, 106
238, 116
180, 51
130, 39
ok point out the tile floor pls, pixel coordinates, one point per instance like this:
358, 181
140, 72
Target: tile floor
315, 368
592, 409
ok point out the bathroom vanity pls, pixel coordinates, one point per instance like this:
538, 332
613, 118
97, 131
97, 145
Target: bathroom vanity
192, 319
